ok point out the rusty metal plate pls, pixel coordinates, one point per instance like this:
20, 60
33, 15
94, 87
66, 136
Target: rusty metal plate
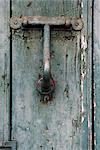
18, 22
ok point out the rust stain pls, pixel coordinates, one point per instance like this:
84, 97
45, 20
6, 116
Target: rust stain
66, 91
4, 76
29, 3
75, 124
46, 99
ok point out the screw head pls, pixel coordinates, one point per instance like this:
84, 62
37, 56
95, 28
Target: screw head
77, 24
15, 23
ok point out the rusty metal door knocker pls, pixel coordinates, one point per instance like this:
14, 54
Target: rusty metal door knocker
46, 84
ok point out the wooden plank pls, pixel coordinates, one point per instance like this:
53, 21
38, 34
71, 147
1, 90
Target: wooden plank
97, 72
89, 74
83, 108
4, 69
46, 8
63, 122
86, 72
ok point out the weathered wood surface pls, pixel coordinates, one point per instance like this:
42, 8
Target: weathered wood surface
97, 72
4, 69
86, 71
62, 123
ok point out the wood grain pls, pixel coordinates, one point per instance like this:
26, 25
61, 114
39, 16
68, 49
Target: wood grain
4, 69
97, 72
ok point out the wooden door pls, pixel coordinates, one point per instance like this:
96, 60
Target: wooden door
96, 74
65, 122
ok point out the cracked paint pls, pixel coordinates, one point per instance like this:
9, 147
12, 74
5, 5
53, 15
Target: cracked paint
83, 72
83, 66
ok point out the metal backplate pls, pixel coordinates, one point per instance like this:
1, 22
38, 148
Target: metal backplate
18, 22
8, 145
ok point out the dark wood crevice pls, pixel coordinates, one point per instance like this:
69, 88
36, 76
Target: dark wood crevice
10, 73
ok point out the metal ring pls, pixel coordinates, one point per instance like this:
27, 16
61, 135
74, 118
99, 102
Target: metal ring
39, 87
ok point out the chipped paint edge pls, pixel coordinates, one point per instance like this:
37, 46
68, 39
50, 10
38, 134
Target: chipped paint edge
86, 71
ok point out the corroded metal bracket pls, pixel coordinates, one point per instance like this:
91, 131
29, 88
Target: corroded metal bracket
46, 84
18, 22
8, 145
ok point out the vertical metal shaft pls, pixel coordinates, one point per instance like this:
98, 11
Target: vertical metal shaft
46, 54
